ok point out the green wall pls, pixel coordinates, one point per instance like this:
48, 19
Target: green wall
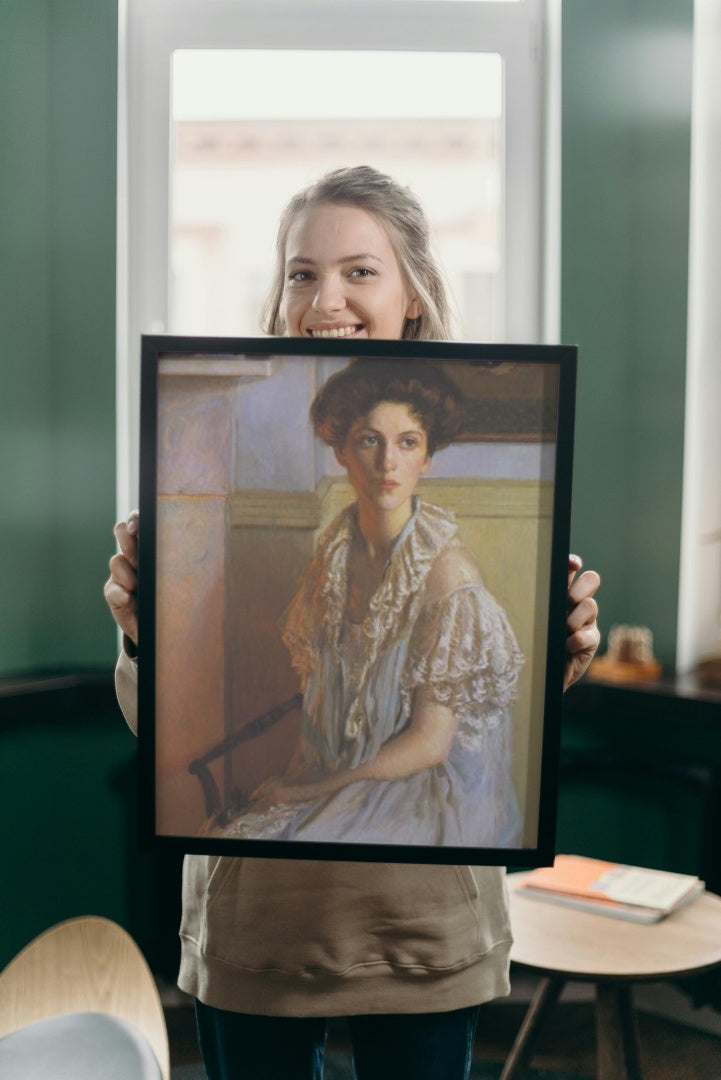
69, 807
58, 72
67, 761
626, 146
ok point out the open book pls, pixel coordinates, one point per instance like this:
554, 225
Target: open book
608, 888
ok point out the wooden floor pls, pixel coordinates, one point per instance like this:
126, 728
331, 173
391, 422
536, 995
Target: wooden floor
669, 1051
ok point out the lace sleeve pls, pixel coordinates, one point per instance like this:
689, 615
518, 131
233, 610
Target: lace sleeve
464, 651
314, 616
300, 630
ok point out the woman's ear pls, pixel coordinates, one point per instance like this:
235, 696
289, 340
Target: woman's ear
339, 455
415, 309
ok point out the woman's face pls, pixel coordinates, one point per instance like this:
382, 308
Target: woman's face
342, 277
385, 454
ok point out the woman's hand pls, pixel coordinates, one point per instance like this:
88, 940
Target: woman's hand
121, 587
582, 633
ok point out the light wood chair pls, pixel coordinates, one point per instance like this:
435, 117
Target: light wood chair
86, 965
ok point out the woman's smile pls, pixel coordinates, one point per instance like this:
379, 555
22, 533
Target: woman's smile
323, 331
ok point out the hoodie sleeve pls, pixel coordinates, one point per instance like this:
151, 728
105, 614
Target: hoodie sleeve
126, 688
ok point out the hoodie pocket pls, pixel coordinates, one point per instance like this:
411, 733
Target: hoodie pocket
297, 916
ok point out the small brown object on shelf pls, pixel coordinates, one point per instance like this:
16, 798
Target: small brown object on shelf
709, 671
629, 657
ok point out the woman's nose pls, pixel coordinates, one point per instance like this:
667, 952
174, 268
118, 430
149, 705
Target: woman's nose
329, 295
388, 458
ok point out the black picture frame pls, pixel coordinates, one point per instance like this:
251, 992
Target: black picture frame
234, 492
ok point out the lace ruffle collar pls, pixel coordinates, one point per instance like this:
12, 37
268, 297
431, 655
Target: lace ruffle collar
390, 610
317, 616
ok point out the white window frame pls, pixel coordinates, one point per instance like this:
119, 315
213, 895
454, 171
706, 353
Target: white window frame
526, 34
699, 596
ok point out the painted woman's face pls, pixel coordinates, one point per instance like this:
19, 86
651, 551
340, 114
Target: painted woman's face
342, 277
385, 454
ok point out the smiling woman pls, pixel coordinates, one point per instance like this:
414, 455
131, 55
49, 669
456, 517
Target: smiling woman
353, 259
336, 258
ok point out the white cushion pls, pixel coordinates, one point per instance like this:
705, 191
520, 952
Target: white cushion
78, 1046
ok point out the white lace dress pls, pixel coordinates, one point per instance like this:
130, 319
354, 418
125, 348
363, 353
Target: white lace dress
360, 681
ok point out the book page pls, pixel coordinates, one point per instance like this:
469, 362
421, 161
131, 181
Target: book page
652, 888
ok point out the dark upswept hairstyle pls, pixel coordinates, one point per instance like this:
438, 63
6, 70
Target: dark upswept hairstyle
402, 216
431, 395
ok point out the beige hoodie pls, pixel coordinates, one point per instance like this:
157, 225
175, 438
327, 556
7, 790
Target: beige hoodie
299, 938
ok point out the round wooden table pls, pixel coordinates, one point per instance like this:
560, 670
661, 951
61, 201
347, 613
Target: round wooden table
562, 944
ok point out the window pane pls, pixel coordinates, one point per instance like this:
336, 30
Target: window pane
238, 155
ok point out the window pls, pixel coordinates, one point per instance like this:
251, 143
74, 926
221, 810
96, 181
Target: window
228, 105
235, 161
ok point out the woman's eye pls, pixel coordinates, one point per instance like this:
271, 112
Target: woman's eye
300, 276
362, 272
410, 444
369, 440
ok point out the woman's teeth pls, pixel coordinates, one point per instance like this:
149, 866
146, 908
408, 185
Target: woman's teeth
337, 331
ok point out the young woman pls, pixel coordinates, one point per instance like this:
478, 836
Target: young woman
408, 664
271, 948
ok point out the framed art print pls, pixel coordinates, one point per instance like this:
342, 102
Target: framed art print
353, 572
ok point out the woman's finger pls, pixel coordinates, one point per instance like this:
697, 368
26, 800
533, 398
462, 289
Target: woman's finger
575, 562
126, 534
584, 586
123, 572
586, 640
582, 614
123, 608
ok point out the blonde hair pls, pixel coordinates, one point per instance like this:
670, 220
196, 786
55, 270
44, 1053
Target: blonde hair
403, 217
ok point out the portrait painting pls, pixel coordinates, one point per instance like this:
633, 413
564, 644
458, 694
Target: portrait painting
352, 597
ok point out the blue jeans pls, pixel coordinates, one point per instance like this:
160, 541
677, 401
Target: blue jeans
413, 1046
